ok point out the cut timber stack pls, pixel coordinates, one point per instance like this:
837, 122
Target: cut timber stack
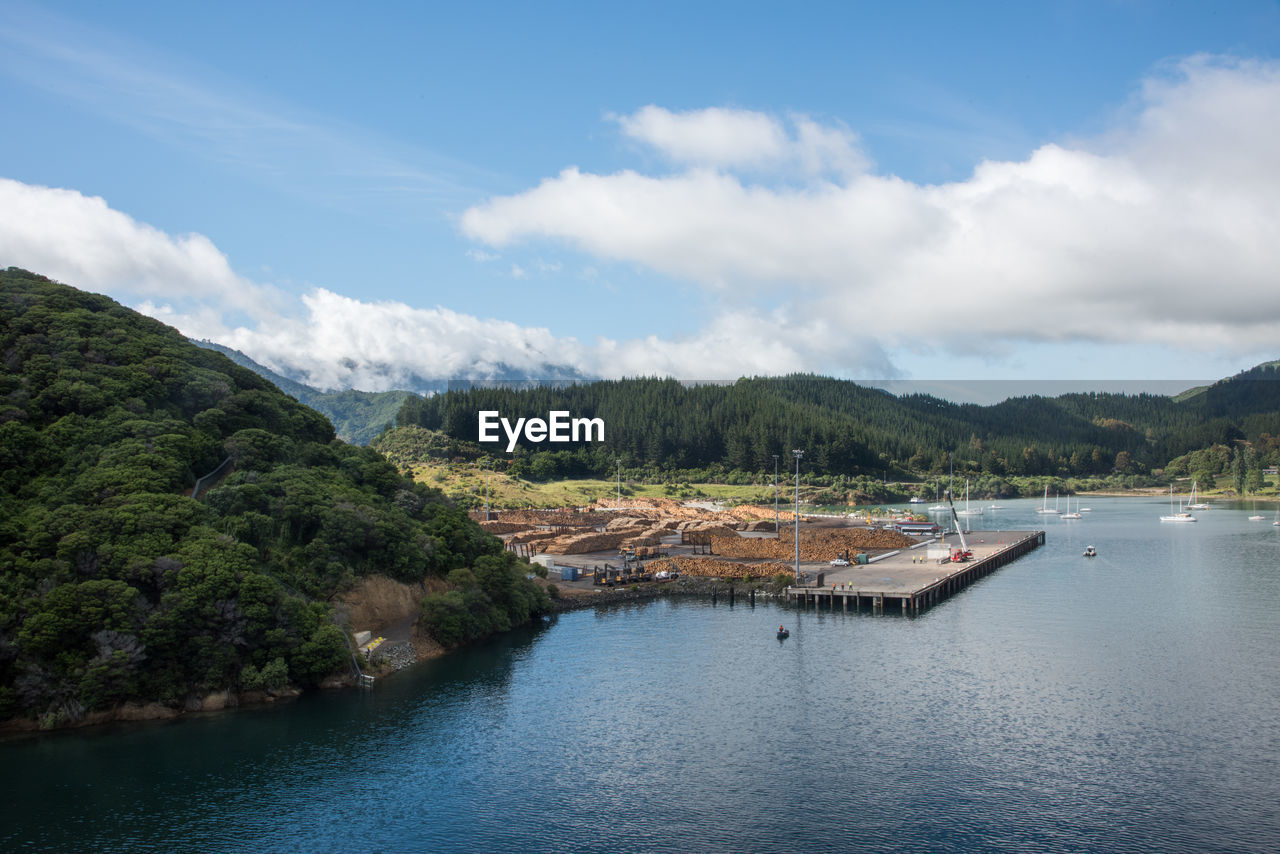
704, 567
619, 522
576, 544
535, 537
815, 545
497, 528
561, 518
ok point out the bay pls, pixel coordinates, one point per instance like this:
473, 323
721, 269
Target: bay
1129, 702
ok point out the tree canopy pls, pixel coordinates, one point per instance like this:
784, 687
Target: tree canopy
116, 583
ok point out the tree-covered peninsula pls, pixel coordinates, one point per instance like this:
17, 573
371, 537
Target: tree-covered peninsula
117, 584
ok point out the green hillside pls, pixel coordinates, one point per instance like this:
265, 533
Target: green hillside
116, 585
847, 430
357, 416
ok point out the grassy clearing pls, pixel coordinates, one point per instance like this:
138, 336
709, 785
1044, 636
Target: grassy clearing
465, 483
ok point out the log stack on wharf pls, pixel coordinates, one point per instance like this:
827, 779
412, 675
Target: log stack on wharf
821, 544
706, 567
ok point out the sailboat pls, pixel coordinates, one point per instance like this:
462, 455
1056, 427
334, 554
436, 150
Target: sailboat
966, 511
1256, 517
1044, 506
938, 506
1179, 516
1069, 514
1192, 504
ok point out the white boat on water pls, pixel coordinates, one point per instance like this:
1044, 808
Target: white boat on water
1044, 507
915, 499
1179, 515
1069, 514
1192, 504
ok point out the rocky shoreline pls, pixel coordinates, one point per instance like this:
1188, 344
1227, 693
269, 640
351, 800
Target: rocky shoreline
570, 599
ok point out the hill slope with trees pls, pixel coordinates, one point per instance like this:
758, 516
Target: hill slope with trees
357, 416
117, 585
850, 430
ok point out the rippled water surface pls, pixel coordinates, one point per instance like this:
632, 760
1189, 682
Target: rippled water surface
1128, 702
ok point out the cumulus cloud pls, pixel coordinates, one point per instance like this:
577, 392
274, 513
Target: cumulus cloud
76, 238
729, 138
342, 342
1165, 230
333, 341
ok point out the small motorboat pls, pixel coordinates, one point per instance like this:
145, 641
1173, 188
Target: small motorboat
783, 633
1090, 551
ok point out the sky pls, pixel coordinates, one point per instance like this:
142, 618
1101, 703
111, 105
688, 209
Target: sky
935, 195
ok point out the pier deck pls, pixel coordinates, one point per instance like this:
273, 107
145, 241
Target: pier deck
908, 580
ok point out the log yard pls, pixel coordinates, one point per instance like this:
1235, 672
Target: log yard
894, 561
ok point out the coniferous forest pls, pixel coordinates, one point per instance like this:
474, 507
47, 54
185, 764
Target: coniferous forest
846, 429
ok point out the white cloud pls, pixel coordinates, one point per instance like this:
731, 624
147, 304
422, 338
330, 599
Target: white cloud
334, 341
342, 342
79, 239
1166, 230
729, 138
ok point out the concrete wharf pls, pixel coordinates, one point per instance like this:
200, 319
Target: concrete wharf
907, 580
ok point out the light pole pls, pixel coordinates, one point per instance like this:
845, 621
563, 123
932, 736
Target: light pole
619, 462
799, 453
775, 493
486, 491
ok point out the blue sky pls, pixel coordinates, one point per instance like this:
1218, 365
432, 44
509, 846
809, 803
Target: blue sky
928, 191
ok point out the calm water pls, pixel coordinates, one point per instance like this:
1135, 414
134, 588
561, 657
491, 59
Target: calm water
1129, 702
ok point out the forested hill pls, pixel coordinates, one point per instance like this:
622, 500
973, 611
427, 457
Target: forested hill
115, 584
848, 429
357, 416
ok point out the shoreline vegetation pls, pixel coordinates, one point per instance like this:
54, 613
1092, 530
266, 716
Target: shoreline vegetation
426, 648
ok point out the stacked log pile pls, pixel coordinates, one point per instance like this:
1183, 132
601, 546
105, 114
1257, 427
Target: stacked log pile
559, 518
815, 545
704, 567
576, 544
534, 537
497, 528
618, 522
754, 512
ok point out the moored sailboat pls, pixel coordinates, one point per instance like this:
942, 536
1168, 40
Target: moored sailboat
1179, 515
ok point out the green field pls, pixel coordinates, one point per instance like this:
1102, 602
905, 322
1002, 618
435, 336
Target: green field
465, 483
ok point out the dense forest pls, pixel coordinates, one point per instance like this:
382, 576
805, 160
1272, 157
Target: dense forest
847, 430
117, 584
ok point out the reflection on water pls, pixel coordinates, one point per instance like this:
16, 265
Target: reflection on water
1128, 702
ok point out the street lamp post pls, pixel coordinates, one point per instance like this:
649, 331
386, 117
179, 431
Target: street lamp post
619, 461
799, 453
775, 493
486, 491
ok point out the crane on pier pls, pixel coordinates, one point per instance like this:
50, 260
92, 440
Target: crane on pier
963, 553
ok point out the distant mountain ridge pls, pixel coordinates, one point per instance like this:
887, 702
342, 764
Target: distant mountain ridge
359, 416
